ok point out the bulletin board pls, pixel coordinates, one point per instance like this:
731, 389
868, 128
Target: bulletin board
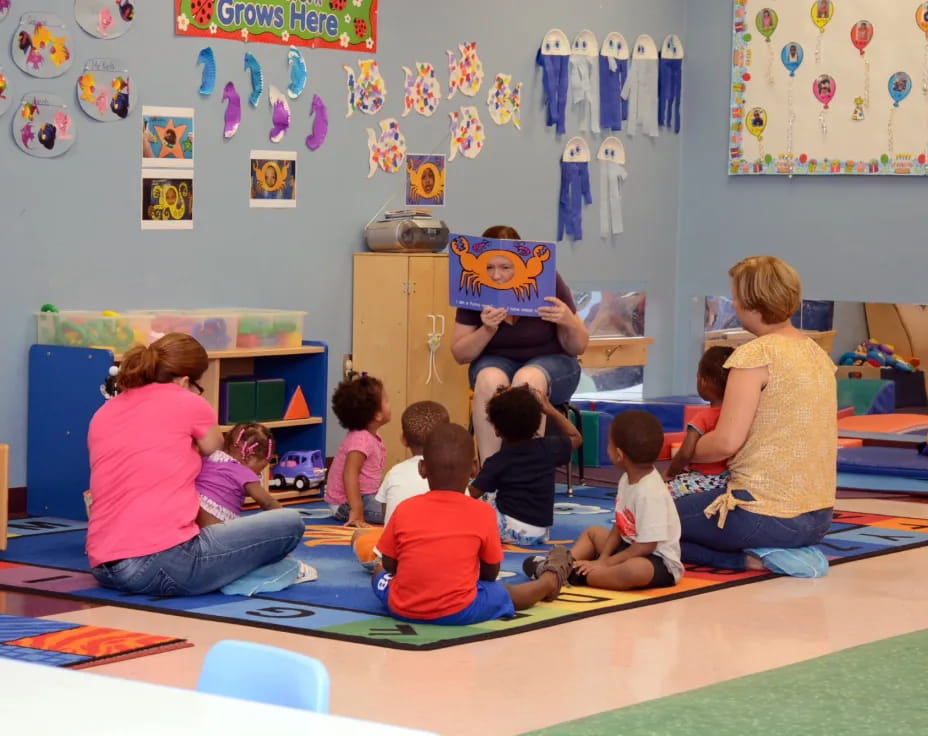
829, 87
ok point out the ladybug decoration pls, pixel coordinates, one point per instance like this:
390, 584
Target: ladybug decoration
360, 27
202, 11
338, 4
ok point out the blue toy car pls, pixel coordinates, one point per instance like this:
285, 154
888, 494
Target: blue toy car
301, 469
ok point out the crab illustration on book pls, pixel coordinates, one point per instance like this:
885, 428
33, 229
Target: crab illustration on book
423, 90
366, 90
388, 149
466, 73
475, 268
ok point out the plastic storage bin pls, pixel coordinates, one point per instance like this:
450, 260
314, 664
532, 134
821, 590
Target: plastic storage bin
268, 328
214, 329
93, 329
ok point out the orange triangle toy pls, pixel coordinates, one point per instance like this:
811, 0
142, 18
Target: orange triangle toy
297, 408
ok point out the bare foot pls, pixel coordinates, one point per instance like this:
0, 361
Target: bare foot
753, 563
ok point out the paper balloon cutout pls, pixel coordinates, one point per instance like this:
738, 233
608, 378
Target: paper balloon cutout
792, 56
822, 13
900, 84
824, 88
921, 17
862, 35
767, 22
757, 122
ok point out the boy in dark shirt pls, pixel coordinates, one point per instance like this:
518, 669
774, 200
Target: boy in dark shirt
518, 481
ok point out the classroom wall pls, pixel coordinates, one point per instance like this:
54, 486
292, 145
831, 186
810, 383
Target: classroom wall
70, 225
851, 238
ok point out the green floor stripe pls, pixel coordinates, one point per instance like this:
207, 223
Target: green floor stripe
877, 688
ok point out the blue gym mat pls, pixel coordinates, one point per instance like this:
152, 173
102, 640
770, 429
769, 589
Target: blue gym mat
903, 462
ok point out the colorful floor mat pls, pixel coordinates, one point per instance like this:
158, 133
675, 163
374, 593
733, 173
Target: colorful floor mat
60, 644
341, 605
876, 688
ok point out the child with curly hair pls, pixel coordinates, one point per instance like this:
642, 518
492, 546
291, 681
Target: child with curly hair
362, 407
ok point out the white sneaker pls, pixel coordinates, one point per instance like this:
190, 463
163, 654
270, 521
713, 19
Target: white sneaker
305, 573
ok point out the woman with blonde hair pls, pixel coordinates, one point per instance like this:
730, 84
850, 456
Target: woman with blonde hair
778, 429
146, 447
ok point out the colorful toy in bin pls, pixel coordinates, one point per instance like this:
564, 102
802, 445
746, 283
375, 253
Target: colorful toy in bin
301, 469
213, 332
265, 331
878, 355
105, 329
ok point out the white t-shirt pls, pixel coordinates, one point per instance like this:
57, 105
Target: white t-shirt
645, 512
402, 481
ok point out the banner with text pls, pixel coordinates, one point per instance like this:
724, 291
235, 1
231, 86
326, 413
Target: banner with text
337, 24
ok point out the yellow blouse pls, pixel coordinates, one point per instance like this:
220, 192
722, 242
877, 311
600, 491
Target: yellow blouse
788, 462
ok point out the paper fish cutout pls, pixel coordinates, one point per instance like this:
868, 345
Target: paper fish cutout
367, 90
44, 126
388, 149
4, 98
40, 46
120, 102
467, 133
233, 114
104, 21
208, 60
280, 114
86, 85
320, 124
466, 73
107, 19
423, 90
298, 73
504, 101
257, 79
105, 91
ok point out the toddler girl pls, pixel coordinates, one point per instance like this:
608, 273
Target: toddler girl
362, 407
711, 378
230, 474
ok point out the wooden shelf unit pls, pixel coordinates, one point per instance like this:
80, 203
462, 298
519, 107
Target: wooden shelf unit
64, 393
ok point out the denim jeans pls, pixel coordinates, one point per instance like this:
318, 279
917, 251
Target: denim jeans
373, 509
703, 543
562, 372
219, 554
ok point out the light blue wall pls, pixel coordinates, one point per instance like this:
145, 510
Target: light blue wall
851, 238
71, 225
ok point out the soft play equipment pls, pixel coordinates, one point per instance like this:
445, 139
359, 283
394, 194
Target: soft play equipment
867, 395
875, 460
896, 428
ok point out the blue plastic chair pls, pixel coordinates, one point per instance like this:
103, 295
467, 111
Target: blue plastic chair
243, 669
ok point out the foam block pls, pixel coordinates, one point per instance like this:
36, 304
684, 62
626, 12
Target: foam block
237, 401
867, 395
297, 408
270, 394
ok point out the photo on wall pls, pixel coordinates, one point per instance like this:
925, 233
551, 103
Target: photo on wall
167, 136
425, 180
272, 177
515, 274
167, 199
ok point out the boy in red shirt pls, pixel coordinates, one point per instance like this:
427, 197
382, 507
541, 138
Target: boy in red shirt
711, 378
441, 550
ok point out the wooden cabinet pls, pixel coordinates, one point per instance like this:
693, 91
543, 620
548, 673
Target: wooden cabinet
399, 301
64, 393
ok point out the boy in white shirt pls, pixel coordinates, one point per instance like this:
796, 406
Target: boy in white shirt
642, 550
403, 480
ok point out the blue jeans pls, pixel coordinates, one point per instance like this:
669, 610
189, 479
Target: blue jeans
703, 543
491, 602
562, 372
373, 509
219, 554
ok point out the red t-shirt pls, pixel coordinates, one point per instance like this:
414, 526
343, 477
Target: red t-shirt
142, 469
438, 540
704, 421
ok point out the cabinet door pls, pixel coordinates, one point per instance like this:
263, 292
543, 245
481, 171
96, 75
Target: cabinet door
379, 333
429, 311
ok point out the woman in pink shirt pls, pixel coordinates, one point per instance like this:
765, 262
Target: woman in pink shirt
145, 452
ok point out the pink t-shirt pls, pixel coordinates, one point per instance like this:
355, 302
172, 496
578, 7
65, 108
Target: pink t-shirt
375, 457
143, 463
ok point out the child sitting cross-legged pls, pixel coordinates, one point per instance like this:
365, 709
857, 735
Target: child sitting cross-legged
518, 481
642, 550
441, 550
403, 480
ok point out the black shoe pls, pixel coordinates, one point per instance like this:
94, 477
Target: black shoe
530, 564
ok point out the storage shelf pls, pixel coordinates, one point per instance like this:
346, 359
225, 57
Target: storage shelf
281, 423
259, 352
